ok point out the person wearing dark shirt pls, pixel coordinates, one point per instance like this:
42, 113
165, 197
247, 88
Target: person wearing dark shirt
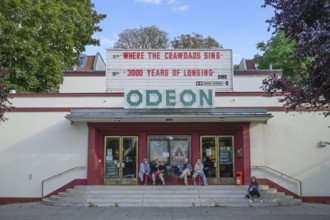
158, 171
253, 189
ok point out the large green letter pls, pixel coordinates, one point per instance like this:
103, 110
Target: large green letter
170, 95
134, 93
187, 92
149, 93
208, 99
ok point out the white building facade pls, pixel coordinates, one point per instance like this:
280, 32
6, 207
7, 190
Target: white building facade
93, 132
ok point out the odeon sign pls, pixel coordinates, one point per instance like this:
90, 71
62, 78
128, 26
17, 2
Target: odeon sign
171, 98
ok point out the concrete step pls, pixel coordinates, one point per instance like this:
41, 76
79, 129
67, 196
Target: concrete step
167, 196
166, 187
170, 204
164, 190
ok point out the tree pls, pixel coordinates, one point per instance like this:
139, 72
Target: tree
308, 23
41, 38
4, 102
143, 38
278, 51
194, 41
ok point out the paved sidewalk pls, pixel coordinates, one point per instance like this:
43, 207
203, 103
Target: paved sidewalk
38, 211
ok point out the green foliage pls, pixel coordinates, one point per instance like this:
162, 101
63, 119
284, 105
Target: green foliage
143, 38
41, 38
154, 38
5, 104
307, 22
278, 51
194, 41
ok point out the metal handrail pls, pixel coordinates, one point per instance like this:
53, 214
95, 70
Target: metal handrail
60, 174
282, 174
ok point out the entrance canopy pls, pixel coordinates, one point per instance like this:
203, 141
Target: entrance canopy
170, 115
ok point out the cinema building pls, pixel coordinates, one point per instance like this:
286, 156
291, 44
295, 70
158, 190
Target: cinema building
166, 105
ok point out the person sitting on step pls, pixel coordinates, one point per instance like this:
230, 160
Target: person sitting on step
253, 189
158, 170
144, 172
185, 169
198, 171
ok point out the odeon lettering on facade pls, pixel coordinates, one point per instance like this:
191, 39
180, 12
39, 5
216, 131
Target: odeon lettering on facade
171, 98
103, 122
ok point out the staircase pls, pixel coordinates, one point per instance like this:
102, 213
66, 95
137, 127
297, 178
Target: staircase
168, 196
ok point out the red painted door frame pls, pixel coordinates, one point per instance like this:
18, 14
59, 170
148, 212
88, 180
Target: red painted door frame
97, 131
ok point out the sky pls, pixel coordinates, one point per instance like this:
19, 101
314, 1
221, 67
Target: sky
236, 24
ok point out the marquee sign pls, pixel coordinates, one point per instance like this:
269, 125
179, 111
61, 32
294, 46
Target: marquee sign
198, 71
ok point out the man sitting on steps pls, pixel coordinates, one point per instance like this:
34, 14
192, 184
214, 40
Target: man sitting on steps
198, 171
185, 169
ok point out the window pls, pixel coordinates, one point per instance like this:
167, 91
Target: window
169, 150
83, 60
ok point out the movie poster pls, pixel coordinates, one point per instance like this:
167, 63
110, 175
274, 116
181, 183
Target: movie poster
157, 149
179, 151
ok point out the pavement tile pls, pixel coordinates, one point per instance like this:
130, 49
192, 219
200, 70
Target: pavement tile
37, 211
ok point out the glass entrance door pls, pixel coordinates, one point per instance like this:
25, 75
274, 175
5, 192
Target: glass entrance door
120, 166
218, 158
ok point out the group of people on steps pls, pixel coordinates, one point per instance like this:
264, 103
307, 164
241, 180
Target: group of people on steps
185, 169
158, 170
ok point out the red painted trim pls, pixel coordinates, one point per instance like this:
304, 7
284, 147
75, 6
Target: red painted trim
41, 110
258, 94
246, 148
10, 200
258, 73
299, 109
317, 199
279, 188
97, 131
69, 185
269, 108
93, 158
51, 95
53, 109
83, 74
195, 147
137, 128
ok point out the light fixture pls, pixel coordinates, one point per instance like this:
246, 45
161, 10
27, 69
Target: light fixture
239, 152
170, 137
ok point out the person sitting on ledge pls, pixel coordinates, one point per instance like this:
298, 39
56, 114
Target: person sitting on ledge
185, 169
158, 170
198, 171
144, 172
